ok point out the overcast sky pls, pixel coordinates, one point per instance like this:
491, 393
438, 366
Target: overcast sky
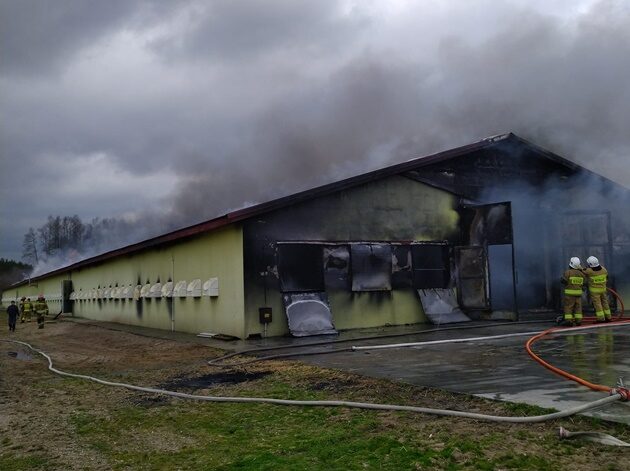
170, 113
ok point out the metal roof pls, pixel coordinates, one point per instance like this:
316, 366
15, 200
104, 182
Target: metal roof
252, 211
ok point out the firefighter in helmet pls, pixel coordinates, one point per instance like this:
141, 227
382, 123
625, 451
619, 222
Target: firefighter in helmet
41, 308
27, 309
573, 281
597, 277
21, 308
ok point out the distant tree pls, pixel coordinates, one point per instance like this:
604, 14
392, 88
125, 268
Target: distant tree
76, 231
29, 247
12, 272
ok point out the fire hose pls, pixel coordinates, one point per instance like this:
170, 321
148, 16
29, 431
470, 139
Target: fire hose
348, 404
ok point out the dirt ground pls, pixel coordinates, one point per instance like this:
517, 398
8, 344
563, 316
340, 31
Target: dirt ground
39, 410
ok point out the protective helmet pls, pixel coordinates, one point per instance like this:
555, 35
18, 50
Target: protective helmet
592, 261
575, 263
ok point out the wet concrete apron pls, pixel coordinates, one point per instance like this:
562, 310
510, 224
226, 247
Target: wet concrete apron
501, 369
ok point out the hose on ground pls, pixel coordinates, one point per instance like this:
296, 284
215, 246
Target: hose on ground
348, 404
593, 386
596, 437
488, 337
218, 362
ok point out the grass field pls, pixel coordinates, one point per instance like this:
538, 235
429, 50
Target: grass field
49, 422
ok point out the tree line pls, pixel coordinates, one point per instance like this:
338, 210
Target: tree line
12, 272
68, 237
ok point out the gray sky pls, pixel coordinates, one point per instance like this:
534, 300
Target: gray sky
170, 113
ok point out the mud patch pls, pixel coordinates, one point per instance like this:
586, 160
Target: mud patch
20, 356
210, 380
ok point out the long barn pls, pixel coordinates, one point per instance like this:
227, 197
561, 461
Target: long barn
482, 231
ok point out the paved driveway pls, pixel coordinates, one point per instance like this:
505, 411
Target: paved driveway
501, 368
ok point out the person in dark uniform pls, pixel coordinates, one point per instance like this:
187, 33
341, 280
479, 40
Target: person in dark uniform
13, 313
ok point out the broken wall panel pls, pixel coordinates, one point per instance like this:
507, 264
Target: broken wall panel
337, 267
487, 224
308, 314
440, 306
402, 272
472, 277
371, 267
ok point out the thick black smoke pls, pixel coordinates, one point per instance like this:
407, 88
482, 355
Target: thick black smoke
258, 100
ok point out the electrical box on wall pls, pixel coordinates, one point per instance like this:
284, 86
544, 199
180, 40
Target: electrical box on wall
211, 287
265, 315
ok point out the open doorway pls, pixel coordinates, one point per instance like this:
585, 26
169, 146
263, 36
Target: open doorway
486, 278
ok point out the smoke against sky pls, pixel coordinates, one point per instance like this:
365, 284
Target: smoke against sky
179, 111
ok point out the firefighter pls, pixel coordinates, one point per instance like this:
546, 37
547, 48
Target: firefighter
21, 307
573, 281
27, 309
597, 278
41, 308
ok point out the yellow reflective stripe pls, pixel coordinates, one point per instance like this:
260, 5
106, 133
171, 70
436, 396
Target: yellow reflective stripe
599, 279
576, 280
573, 292
578, 315
596, 290
568, 317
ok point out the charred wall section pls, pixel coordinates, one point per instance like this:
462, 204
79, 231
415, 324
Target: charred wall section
558, 210
374, 225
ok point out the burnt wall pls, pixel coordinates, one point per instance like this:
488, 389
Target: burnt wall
395, 209
544, 192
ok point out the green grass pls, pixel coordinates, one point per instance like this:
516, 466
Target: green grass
228, 436
11, 462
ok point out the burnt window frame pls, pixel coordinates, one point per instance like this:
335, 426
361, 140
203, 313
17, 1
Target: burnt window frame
431, 275
291, 264
354, 263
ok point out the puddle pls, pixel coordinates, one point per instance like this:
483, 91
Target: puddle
20, 356
213, 379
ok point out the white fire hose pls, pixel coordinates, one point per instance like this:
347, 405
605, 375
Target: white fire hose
349, 404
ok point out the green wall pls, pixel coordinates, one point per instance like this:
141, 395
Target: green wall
217, 254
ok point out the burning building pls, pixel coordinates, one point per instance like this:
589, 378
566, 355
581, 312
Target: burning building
482, 231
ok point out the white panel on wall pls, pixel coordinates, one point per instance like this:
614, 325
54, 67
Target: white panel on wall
180, 289
145, 291
211, 287
194, 289
156, 291
167, 290
136, 292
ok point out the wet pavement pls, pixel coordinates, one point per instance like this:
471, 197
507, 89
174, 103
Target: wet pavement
498, 369
501, 369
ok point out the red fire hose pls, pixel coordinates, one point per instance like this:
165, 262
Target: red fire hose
625, 393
